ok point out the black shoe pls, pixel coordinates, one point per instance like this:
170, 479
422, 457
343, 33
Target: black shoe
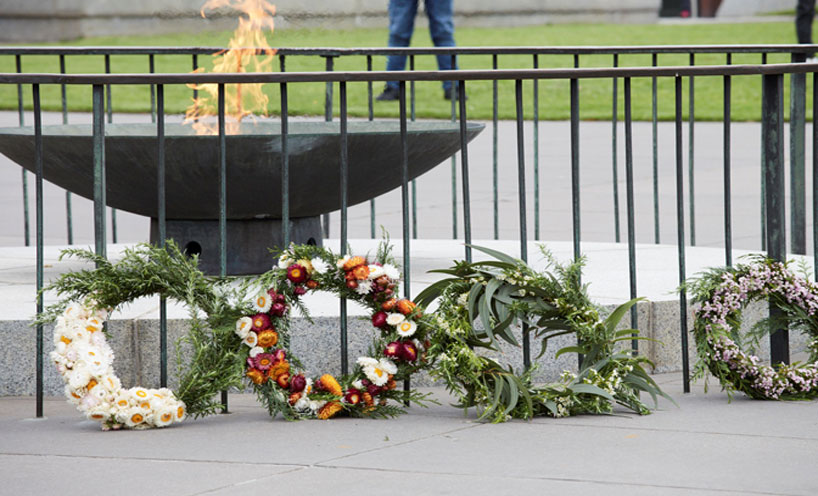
447, 94
389, 94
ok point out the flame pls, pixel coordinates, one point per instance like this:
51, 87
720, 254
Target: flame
248, 51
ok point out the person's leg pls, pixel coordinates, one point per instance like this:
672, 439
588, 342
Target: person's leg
401, 24
804, 14
441, 29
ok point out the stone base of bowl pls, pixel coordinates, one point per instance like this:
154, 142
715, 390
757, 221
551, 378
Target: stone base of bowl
248, 241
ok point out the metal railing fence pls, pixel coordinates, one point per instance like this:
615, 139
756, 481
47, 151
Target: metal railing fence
772, 76
577, 55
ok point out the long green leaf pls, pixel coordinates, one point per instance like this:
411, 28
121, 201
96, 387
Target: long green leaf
497, 254
591, 389
613, 319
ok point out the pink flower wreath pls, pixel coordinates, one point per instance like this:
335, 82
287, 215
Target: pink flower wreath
721, 295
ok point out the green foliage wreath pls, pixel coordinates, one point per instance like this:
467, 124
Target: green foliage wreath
500, 293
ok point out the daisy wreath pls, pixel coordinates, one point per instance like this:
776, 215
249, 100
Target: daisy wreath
208, 360
496, 294
395, 354
721, 295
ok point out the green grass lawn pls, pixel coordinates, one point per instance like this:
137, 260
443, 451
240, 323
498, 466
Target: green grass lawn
307, 99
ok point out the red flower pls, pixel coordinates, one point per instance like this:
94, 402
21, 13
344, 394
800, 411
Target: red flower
408, 351
296, 273
263, 361
353, 396
379, 319
299, 290
261, 321
298, 383
283, 380
278, 309
393, 349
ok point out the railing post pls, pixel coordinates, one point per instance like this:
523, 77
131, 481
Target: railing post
99, 169
772, 129
798, 102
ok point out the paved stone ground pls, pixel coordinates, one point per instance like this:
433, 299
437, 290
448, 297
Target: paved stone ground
705, 446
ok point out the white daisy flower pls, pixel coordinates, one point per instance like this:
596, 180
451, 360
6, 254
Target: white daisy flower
319, 265
376, 271
181, 412
340, 263
376, 375
357, 384
251, 339
139, 393
391, 272
262, 303
364, 287
98, 414
134, 417
93, 324
78, 378
164, 417
303, 404
407, 328
388, 366
243, 326
123, 400
255, 350
284, 261
394, 319
316, 405
365, 361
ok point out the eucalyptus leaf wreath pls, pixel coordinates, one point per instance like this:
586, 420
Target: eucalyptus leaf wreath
478, 305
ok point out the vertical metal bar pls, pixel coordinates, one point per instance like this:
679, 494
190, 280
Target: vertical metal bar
680, 237
152, 69
342, 90
630, 207
454, 170
772, 115
38, 164
222, 202
195, 63
110, 113
614, 149
494, 149
464, 169
655, 131
728, 223
69, 222
815, 174
161, 221
404, 195
798, 192
330, 64
690, 160
763, 216
536, 125
414, 186
518, 94
22, 120
108, 106
99, 169
371, 118
285, 169
575, 210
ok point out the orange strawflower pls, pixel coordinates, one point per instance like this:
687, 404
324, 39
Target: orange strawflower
354, 262
267, 338
256, 376
388, 305
312, 284
367, 399
329, 410
330, 384
405, 306
361, 272
278, 369
294, 398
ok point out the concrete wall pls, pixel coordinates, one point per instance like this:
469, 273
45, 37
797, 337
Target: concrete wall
51, 20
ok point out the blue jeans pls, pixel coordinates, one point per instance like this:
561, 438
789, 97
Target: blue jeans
402, 23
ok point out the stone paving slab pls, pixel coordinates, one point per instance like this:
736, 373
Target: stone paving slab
704, 446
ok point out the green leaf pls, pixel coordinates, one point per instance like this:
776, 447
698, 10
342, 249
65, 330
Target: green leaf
434, 290
613, 319
497, 254
569, 349
591, 389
